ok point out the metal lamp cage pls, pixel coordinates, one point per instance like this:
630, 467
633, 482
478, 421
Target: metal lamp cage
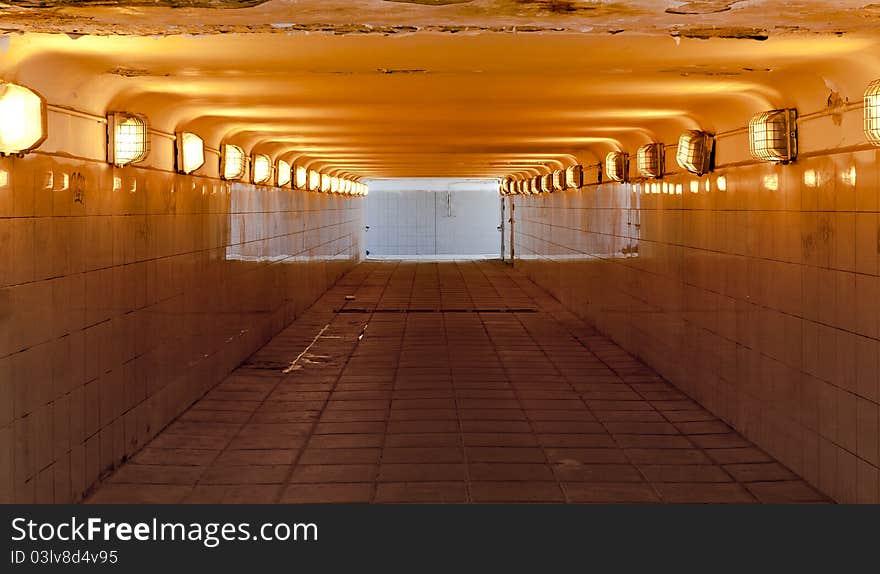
617, 166
180, 157
773, 136
535, 185
232, 162
559, 180
261, 161
574, 177
695, 152
283, 173
872, 112
127, 138
651, 160
547, 183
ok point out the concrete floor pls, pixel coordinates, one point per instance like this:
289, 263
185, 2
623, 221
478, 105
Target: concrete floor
446, 382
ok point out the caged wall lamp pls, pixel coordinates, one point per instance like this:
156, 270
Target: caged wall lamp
559, 180
127, 139
301, 177
232, 162
314, 180
651, 160
22, 119
574, 177
190, 152
282, 173
617, 166
696, 152
261, 168
872, 112
773, 136
547, 183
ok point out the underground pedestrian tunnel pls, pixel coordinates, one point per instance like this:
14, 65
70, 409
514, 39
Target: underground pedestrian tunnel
618, 252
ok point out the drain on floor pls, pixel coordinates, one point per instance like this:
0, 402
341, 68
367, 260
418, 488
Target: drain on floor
349, 310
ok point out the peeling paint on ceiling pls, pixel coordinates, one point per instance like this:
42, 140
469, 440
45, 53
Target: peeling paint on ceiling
657, 17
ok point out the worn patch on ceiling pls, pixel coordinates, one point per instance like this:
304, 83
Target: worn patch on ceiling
401, 71
431, 2
122, 3
127, 72
563, 6
707, 7
734, 32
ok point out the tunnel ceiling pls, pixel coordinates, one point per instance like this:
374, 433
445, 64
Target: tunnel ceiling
480, 88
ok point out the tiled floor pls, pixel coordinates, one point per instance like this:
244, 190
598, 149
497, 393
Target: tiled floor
447, 382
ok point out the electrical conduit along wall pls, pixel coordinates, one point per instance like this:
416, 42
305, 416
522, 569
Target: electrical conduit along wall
754, 289
126, 293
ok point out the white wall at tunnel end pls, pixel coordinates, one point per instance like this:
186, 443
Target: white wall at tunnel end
433, 217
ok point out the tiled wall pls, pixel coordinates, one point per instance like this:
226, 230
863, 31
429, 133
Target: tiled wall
433, 216
761, 301
126, 293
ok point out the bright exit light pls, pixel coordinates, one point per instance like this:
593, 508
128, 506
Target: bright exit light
126, 139
232, 161
22, 119
282, 170
262, 168
190, 152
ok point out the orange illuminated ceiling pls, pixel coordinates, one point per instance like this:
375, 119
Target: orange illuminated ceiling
374, 88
